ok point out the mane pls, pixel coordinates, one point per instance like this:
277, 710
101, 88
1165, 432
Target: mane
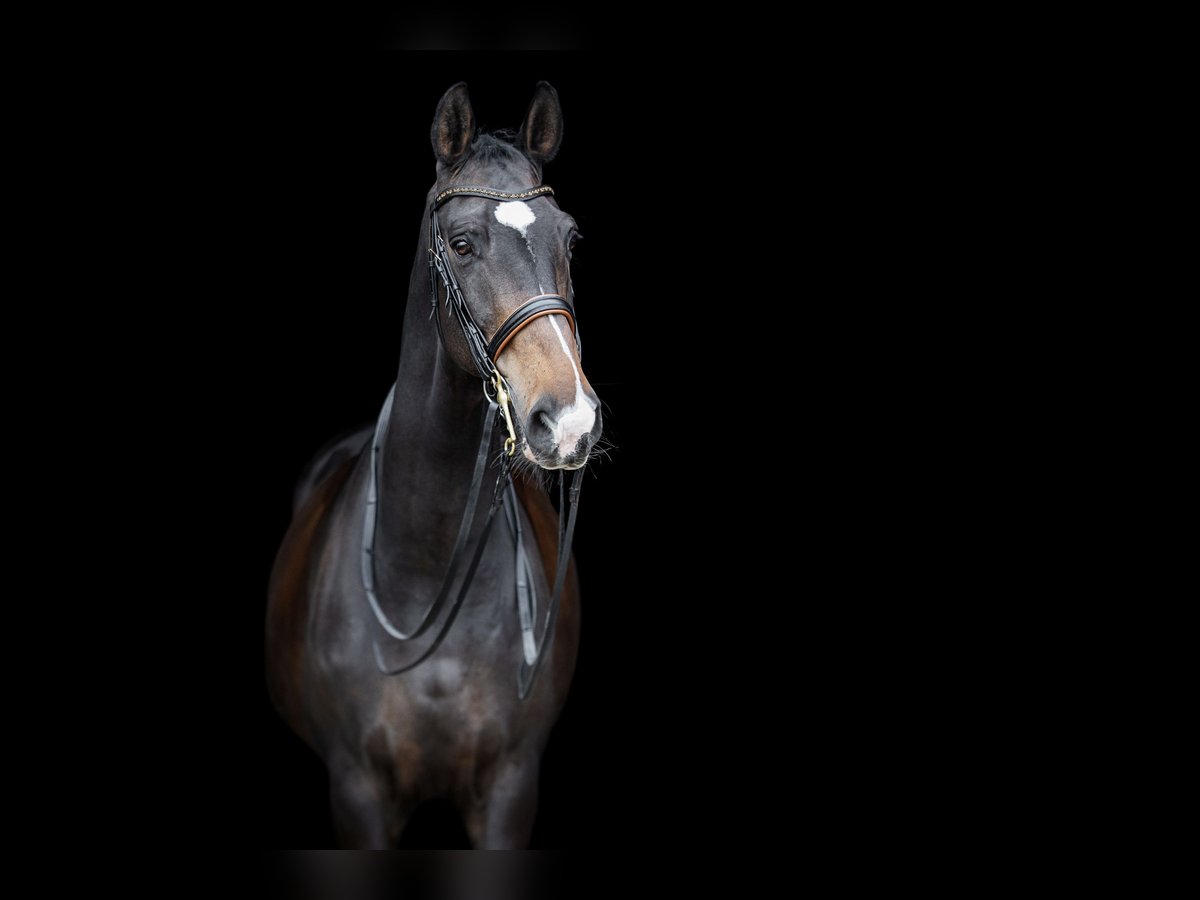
495, 146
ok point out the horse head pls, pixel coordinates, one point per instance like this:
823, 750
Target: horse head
507, 247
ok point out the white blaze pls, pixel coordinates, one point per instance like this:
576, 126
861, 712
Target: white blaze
578, 418
515, 214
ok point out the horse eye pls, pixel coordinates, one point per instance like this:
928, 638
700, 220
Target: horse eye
574, 240
461, 247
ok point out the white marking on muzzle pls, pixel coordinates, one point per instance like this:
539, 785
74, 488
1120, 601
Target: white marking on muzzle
578, 418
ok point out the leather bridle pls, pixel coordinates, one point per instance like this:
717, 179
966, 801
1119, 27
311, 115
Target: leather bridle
484, 354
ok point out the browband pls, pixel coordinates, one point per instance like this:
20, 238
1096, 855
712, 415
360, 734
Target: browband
490, 193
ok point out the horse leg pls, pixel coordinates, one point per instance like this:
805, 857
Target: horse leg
501, 817
360, 814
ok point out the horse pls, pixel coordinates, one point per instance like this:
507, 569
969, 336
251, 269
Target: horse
361, 660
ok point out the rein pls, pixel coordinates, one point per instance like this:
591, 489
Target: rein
484, 353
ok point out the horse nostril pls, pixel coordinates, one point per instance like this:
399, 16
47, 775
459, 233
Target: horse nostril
539, 429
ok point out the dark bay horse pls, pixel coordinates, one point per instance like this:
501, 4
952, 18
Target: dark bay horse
453, 727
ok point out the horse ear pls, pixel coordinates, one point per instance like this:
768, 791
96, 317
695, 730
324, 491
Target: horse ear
453, 125
541, 132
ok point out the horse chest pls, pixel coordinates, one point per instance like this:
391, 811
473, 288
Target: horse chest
443, 725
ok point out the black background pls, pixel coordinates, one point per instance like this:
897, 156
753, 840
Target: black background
739, 553
771, 276
301, 291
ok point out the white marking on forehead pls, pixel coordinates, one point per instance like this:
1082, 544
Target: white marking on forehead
578, 418
515, 214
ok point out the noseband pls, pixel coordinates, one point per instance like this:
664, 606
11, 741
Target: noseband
484, 354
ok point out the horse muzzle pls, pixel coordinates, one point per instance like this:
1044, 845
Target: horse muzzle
558, 437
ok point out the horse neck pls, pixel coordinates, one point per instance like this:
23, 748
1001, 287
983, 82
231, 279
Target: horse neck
430, 446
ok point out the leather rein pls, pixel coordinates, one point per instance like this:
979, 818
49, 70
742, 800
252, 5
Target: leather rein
484, 353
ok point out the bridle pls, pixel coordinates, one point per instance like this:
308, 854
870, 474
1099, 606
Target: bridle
484, 353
